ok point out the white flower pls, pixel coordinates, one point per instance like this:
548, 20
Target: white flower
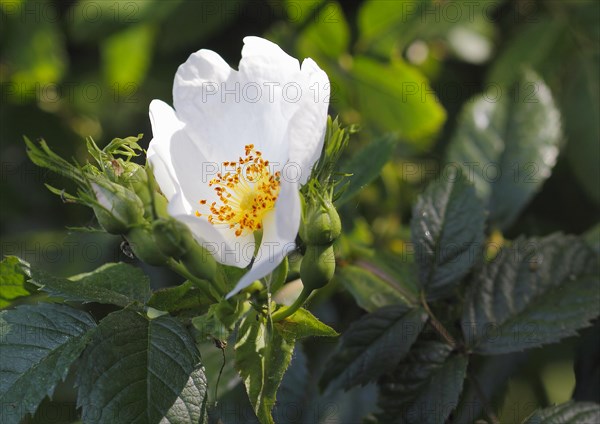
232, 155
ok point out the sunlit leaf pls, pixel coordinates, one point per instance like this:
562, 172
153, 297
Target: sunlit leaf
12, 281
506, 143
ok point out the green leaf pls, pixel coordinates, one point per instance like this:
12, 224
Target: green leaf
566, 413
126, 56
262, 355
396, 97
372, 289
12, 281
373, 345
327, 35
536, 292
38, 344
581, 108
365, 166
425, 387
447, 232
34, 48
91, 21
546, 34
303, 324
179, 298
493, 374
507, 144
113, 283
140, 370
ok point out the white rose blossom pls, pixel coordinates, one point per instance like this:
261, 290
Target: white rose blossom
233, 153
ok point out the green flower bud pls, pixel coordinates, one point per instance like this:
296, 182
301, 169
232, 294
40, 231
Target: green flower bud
118, 208
197, 259
169, 235
139, 183
318, 267
144, 246
321, 224
160, 205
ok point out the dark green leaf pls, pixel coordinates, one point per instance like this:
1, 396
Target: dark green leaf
114, 283
365, 166
425, 387
546, 34
140, 370
493, 374
12, 281
303, 324
38, 344
447, 232
538, 291
373, 345
507, 144
581, 108
262, 355
567, 413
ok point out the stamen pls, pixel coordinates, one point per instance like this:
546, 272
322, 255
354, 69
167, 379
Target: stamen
245, 194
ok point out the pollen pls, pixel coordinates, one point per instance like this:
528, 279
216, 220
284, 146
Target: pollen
246, 192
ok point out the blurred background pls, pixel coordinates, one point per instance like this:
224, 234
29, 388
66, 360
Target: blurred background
71, 69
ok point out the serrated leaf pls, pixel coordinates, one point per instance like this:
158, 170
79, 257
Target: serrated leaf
425, 387
113, 283
262, 355
508, 146
567, 413
303, 324
140, 370
536, 292
38, 344
447, 232
373, 345
12, 281
365, 166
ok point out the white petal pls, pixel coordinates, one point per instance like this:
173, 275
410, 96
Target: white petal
224, 246
307, 127
280, 230
224, 109
164, 125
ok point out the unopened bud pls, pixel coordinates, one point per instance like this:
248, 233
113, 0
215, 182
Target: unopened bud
170, 237
118, 208
321, 224
139, 183
318, 267
197, 259
144, 246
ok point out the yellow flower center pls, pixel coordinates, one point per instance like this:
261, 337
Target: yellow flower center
246, 193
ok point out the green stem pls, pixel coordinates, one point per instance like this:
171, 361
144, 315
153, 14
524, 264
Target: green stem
285, 312
180, 269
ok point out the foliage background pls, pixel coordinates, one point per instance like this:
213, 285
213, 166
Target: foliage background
77, 68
